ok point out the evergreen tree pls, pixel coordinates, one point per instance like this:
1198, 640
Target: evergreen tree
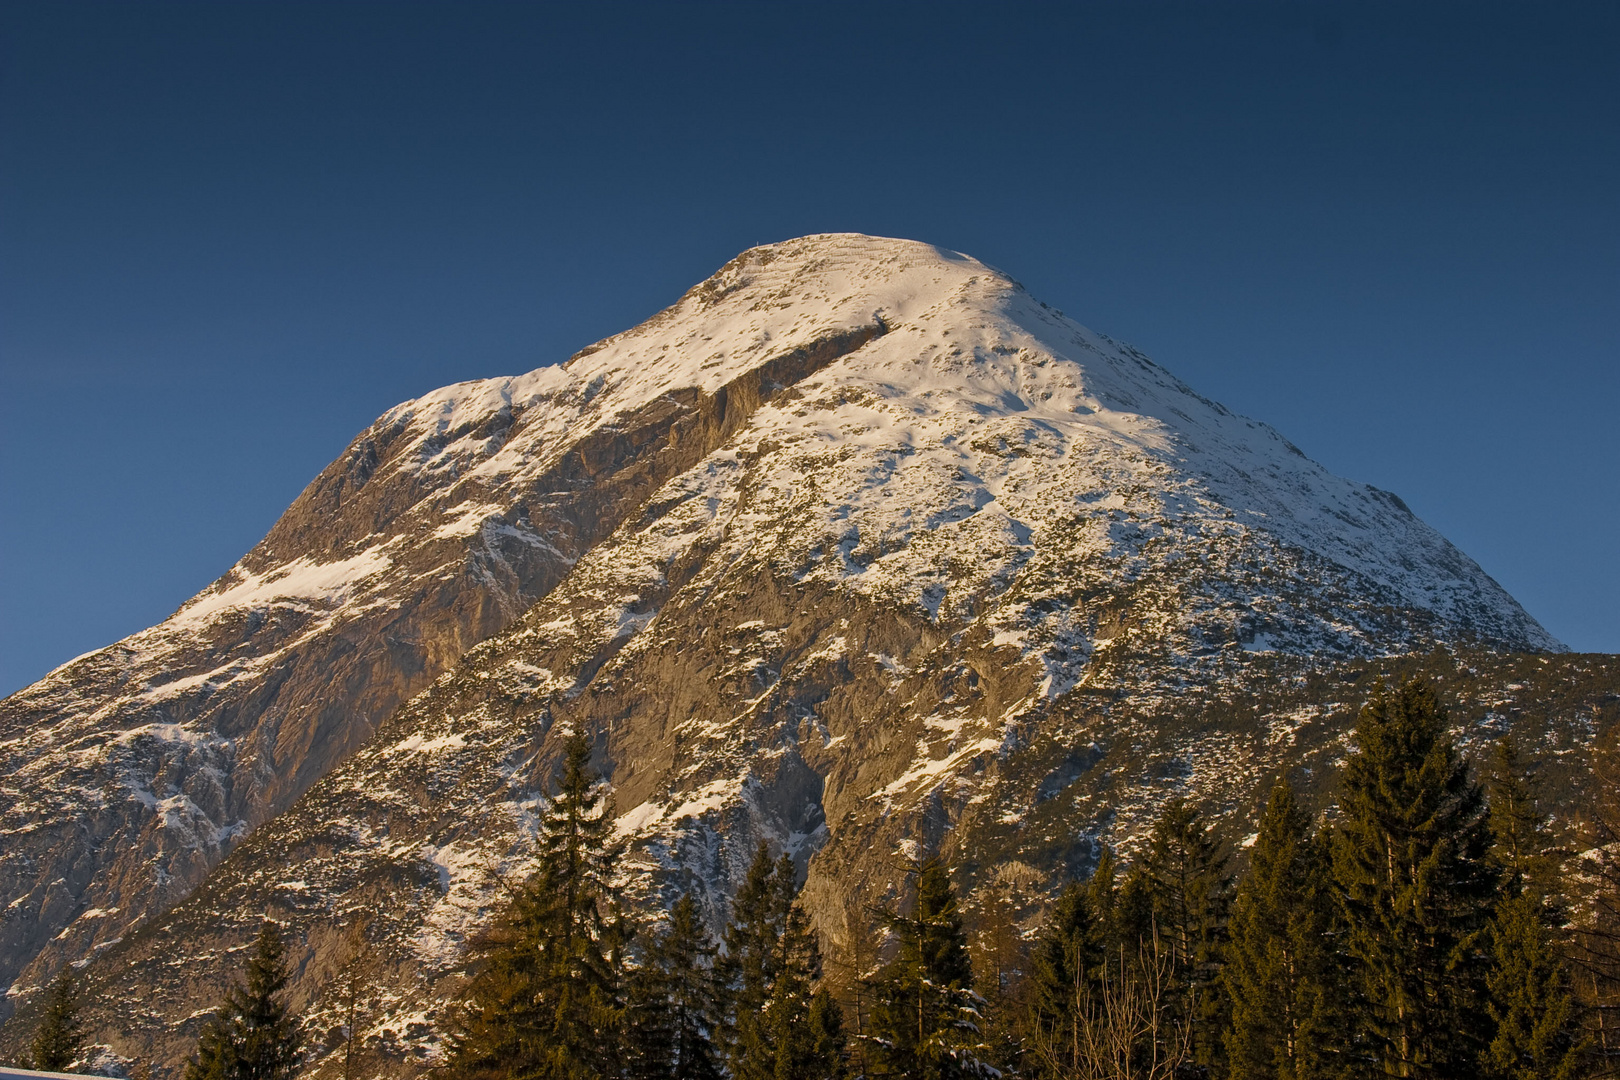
1131, 928
1075, 943
1595, 952
825, 1046
678, 1002
782, 1026
1102, 894
1067, 955
1190, 894
793, 993
1537, 1022
253, 1036
547, 999
1415, 887
927, 1021
752, 943
59, 1039
1537, 1026
1279, 968
1521, 844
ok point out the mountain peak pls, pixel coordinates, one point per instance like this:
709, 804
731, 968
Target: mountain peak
816, 553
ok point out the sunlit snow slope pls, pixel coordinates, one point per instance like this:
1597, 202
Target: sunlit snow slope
779, 512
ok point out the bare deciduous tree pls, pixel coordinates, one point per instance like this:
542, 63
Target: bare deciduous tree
1123, 1028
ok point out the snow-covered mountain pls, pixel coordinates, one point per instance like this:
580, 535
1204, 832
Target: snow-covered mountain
820, 555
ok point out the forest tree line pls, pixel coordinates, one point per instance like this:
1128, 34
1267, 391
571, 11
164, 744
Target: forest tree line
1432, 924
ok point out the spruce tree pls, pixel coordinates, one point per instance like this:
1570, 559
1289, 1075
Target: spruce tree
696, 993
1279, 967
1595, 949
1131, 928
253, 1036
677, 1002
1537, 1023
751, 950
825, 1052
1537, 1026
927, 1021
59, 1039
1190, 893
1067, 955
1415, 886
1521, 845
1102, 894
547, 998
782, 1026
352, 984
1075, 942
798, 970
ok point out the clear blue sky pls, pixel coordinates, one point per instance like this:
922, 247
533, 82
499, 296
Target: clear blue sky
231, 234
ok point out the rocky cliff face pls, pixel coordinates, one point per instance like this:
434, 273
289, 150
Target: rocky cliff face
129, 773
856, 547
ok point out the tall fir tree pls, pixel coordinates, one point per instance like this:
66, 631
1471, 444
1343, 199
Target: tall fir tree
1415, 886
1537, 1034
1066, 959
547, 1000
1075, 942
825, 1046
927, 1022
1102, 894
1191, 894
996, 944
254, 1035
1595, 949
59, 1039
1131, 927
677, 1003
1279, 971
782, 1025
1521, 843
1537, 1021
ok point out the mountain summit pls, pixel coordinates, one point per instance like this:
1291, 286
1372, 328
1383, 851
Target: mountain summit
858, 547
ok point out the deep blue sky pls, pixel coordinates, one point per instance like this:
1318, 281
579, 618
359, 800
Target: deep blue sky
231, 234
